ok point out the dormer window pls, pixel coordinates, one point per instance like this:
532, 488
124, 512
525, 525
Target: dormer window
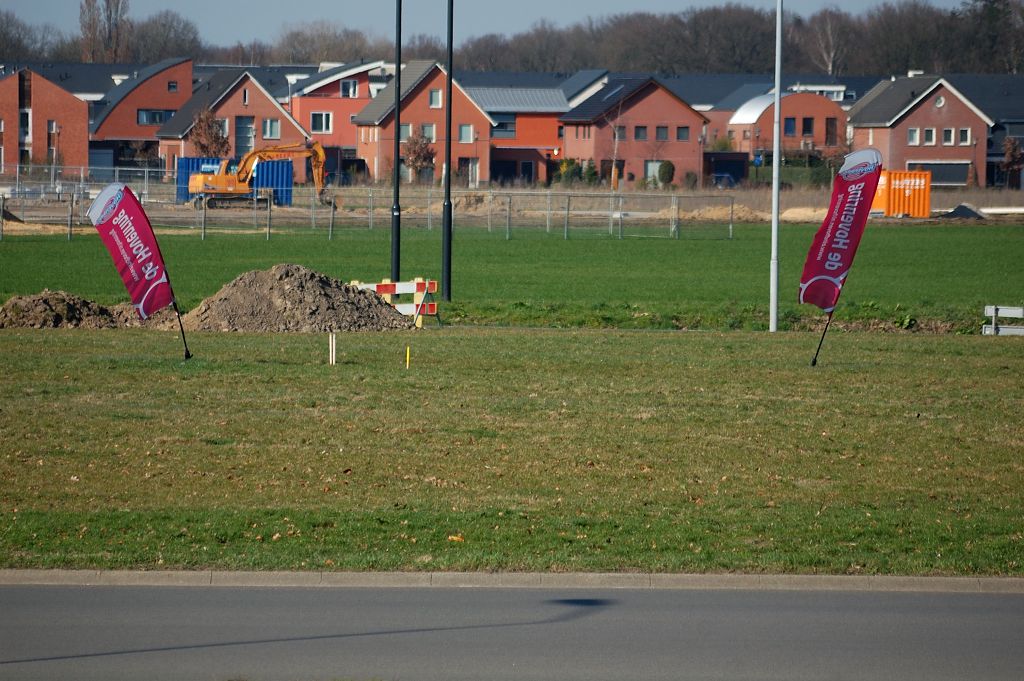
172, 86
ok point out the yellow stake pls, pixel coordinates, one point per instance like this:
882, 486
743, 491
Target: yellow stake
406, 356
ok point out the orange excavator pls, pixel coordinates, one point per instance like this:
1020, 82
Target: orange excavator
233, 185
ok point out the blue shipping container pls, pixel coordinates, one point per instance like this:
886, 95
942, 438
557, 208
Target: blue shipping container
188, 166
276, 175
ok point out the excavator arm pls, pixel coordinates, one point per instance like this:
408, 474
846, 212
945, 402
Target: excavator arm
214, 184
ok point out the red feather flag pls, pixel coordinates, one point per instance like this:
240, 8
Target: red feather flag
835, 245
124, 227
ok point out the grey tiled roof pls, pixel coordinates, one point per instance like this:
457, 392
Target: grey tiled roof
83, 80
519, 100
382, 105
617, 90
1001, 97
884, 102
508, 79
204, 96
580, 81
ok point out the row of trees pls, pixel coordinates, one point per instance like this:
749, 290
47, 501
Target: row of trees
981, 36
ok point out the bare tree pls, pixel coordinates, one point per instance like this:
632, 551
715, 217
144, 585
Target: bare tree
207, 135
115, 28
419, 155
316, 42
1013, 161
89, 23
164, 34
827, 39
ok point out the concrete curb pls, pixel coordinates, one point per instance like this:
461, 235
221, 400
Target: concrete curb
511, 580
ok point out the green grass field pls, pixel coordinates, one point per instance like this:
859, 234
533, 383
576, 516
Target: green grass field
528, 448
939, 275
513, 449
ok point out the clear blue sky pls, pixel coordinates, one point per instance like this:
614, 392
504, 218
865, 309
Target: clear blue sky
224, 22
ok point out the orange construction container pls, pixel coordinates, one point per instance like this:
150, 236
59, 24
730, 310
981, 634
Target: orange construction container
904, 194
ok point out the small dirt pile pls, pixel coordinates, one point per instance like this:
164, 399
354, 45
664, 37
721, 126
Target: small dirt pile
293, 298
55, 309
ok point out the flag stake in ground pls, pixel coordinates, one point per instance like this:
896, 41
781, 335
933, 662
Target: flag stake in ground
128, 235
835, 244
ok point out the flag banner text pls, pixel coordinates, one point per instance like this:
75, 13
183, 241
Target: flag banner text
835, 244
126, 232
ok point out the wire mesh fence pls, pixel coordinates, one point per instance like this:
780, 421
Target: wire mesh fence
60, 197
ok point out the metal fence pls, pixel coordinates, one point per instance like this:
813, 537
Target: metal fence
61, 196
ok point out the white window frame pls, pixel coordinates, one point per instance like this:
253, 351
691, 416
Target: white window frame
913, 137
225, 126
326, 122
439, 103
964, 140
929, 137
463, 137
404, 132
245, 96
268, 128
947, 137
429, 132
353, 89
2, 168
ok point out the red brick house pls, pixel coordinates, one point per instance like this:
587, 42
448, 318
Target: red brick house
251, 116
636, 123
126, 120
325, 104
423, 109
809, 122
924, 123
41, 123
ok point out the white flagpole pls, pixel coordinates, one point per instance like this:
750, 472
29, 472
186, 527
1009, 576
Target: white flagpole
773, 314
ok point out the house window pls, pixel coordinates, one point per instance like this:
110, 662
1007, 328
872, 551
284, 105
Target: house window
965, 136
429, 132
586, 132
913, 136
661, 133
223, 126
435, 99
807, 127
561, 131
153, 116
466, 133
271, 129
929, 136
746, 134
947, 136
831, 132
51, 126
620, 132
350, 89
640, 133
683, 133
789, 127
404, 131
245, 96
320, 121
504, 127
172, 86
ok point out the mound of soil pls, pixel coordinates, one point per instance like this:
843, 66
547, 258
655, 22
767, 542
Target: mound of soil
293, 298
56, 309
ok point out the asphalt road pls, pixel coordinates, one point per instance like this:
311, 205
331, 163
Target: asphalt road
435, 633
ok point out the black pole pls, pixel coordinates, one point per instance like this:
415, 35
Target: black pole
182, 328
446, 219
396, 210
814, 362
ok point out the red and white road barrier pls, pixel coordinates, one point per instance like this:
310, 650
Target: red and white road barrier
422, 291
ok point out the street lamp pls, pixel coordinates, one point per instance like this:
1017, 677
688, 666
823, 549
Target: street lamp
446, 219
396, 209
